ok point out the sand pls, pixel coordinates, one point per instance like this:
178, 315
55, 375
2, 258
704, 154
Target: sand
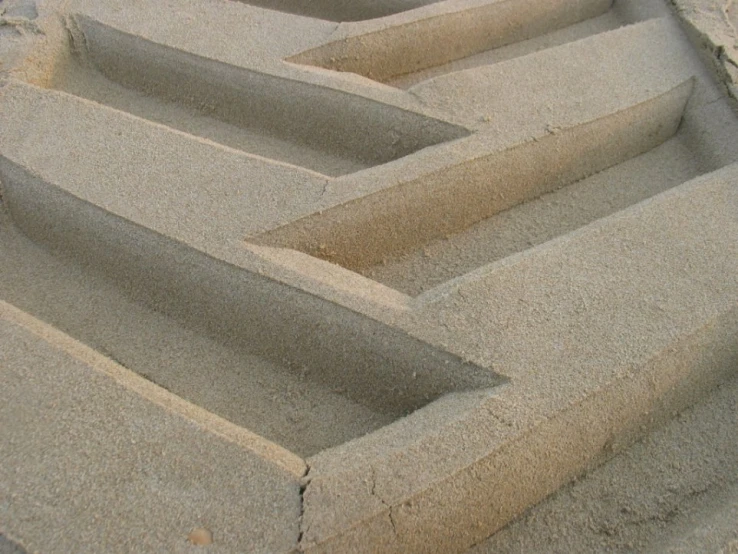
402, 291
676, 491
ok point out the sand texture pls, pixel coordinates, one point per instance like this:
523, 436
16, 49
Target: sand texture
368, 276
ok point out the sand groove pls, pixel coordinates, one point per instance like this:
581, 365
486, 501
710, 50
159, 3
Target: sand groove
437, 40
305, 125
271, 338
360, 234
341, 10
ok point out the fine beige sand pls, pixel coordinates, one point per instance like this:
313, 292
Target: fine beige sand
290, 297
677, 490
674, 492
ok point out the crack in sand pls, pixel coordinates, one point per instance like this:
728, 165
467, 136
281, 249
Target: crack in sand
389, 506
303, 489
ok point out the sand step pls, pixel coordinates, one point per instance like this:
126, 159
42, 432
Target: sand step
619, 15
177, 184
608, 21
440, 38
383, 369
360, 234
305, 125
283, 403
543, 219
605, 73
525, 147
242, 200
